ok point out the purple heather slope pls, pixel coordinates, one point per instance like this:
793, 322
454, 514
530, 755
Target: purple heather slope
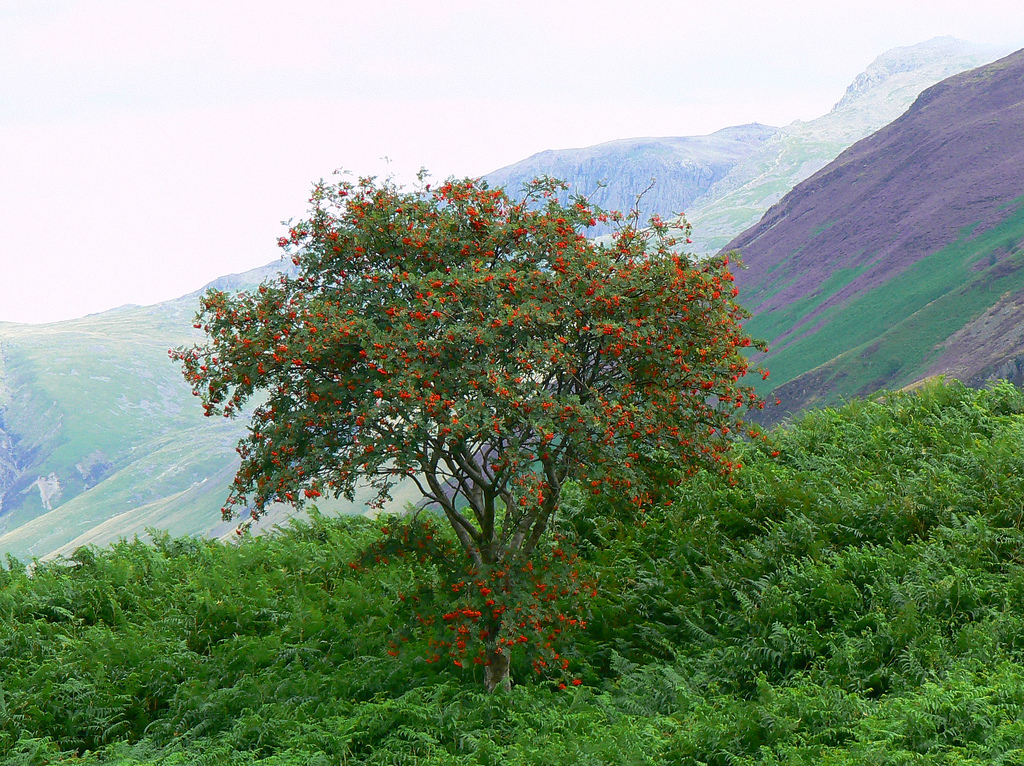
955, 158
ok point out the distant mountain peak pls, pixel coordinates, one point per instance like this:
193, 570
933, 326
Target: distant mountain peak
615, 174
947, 55
246, 280
877, 96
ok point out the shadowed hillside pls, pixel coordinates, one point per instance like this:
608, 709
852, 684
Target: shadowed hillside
902, 258
877, 96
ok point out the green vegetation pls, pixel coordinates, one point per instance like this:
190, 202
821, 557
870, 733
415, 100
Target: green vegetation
856, 596
776, 323
95, 403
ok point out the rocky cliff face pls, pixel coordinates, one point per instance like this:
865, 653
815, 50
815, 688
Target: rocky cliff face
669, 173
9, 463
903, 257
938, 58
9, 471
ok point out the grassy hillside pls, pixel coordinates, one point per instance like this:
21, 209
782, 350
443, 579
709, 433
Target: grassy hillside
100, 436
855, 597
93, 398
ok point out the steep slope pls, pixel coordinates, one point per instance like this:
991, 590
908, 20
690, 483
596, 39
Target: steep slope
683, 169
901, 258
725, 181
876, 97
97, 423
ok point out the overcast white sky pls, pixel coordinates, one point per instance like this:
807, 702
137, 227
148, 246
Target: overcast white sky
148, 147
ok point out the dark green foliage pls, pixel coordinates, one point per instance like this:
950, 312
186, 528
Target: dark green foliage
874, 565
857, 598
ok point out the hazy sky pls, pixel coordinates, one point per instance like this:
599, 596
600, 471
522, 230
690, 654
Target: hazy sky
149, 147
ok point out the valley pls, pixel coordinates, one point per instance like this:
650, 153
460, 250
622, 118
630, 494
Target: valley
870, 269
836, 578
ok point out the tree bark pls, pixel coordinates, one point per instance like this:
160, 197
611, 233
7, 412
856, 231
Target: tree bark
496, 671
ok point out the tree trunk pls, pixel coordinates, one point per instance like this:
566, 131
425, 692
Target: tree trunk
496, 676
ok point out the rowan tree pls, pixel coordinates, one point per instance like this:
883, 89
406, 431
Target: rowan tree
483, 348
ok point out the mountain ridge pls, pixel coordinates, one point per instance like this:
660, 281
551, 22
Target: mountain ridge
879, 95
618, 175
722, 195
912, 233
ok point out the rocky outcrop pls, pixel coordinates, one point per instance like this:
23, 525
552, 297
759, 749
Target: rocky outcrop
9, 471
989, 347
656, 175
50, 490
93, 468
938, 58
9, 464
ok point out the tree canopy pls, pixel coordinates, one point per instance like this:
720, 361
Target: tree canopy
482, 347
